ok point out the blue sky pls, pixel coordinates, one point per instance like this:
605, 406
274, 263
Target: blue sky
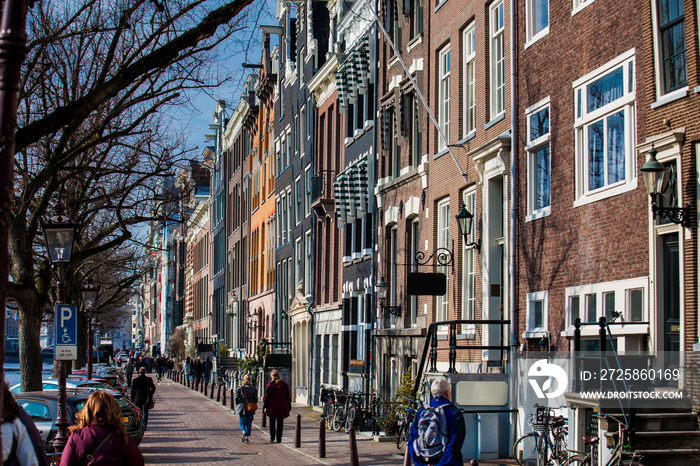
243, 48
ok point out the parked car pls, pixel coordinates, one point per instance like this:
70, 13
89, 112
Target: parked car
43, 407
52, 384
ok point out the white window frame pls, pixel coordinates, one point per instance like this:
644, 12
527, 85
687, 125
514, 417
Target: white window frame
297, 200
297, 262
579, 5
469, 41
621, 289
442, 303
582, 120
307, 191
444, 96
532, 35
290, 214
532, 330
532, 147
469, 268
497, 60
661, 95
308, 278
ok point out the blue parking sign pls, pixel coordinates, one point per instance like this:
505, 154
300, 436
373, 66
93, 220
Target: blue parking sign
65, 332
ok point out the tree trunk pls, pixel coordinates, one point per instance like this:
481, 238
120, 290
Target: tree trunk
30, 363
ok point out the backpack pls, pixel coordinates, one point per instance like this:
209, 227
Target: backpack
433, 435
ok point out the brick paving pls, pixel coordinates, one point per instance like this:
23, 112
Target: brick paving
187, 428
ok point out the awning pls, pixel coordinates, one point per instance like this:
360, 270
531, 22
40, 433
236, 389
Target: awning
351, 196
352, 77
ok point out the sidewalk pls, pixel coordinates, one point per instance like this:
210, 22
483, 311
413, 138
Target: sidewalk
187, 428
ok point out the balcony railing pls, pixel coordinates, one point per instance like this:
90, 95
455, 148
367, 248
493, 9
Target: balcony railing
322, 185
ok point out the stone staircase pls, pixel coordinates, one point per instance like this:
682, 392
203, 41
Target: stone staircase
668, 437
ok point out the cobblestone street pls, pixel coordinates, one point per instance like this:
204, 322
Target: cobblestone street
187, 428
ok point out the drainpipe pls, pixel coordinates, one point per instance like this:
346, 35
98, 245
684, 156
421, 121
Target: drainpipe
372, 208
513, 216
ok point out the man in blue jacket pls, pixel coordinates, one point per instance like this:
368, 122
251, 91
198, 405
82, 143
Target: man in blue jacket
453, 430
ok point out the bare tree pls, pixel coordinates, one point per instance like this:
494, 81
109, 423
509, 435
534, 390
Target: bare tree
96, 131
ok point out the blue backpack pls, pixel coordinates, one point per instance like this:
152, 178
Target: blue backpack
433, 436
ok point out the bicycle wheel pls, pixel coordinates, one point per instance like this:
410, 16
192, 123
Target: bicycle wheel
402, 434
350, 419
525, 450
338, 418
578, 460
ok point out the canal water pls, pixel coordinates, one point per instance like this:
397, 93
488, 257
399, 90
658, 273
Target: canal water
12, 374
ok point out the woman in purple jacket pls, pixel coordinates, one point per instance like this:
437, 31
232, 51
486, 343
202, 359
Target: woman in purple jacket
99, 435
277, 404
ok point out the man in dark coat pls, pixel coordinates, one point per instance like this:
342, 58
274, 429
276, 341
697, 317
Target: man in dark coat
129, 371
142, 389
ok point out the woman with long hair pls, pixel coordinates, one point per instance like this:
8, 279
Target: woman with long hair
99, 435
277, 405
21, 441
246, 393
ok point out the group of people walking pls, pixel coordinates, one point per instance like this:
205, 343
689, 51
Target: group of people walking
198, 370
161, 364
277, 404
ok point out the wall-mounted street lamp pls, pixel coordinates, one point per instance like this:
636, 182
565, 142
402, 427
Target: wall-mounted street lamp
465, 222
381, 297
59, 233
89, 292
655, 179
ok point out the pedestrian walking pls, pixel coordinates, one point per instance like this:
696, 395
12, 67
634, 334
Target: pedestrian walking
159, 367
142, 391
129, 371
21, 441
171, 366
99, 435
438, 431
245, 395
198, 370
277, 405
208, 366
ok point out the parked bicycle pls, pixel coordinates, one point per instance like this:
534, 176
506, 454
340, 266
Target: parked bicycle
330, 404
546, 444
619, 456
405, 423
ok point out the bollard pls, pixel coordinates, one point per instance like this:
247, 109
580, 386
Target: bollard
233, 406
204, 388
407, 458
224, 400
264, 419
218, 394
354, 460
322, 440
189, 382
211, 392
297, 433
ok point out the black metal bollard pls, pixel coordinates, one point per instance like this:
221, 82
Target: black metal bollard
204, 388
322, 439
211, 392
224, 400
218, 394
354, 460
264, 419
233, 406
297, 433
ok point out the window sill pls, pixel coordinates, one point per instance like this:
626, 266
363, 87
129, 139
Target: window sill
537, 37
671, 97
605, 193
439, 6
697, 90
496, 119
415, 42
535, 333
630, 328
440, 154
539, 214
581, 7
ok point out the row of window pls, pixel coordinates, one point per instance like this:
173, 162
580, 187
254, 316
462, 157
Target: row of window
668, 17
291, 210
620, 301
604, 116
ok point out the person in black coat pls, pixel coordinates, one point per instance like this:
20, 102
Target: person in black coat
142, 390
